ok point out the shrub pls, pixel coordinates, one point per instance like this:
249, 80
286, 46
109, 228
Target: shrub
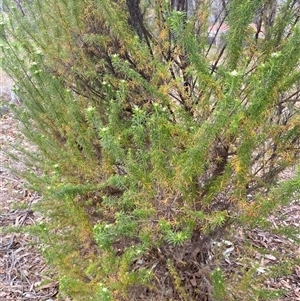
150, 140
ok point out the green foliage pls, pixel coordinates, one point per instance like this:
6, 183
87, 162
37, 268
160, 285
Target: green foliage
104, 294
219, 285
150, 140
174, 237
177, 281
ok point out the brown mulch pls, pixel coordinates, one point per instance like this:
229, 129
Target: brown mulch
23, 273
266, 251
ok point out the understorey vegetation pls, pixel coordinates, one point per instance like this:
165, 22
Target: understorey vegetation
159, 127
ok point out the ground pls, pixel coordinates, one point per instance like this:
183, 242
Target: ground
23, 273
25, 276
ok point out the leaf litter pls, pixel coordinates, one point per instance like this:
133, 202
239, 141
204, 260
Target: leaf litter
23, 272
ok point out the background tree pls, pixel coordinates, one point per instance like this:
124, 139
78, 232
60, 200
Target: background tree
150, 141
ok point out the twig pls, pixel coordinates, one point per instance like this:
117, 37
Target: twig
11, 179
6, 247
28, 211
